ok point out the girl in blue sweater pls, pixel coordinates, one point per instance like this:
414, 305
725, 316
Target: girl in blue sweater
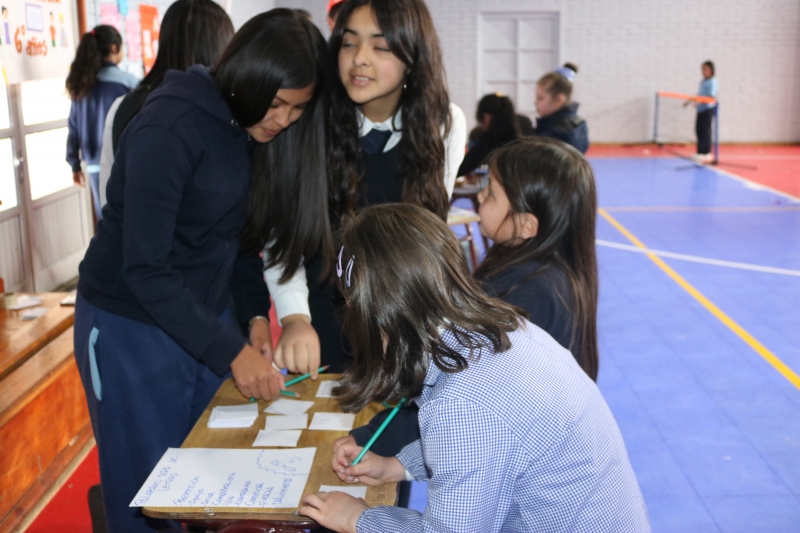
93, 83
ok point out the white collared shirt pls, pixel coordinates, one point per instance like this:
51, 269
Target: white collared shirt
292, 297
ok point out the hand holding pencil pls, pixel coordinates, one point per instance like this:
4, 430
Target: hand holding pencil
372, 470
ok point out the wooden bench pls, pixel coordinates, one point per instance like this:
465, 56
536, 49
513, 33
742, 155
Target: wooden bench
44, 420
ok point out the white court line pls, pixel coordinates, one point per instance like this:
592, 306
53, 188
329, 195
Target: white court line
696, 259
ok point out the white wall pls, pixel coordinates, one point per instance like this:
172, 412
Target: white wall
629, 49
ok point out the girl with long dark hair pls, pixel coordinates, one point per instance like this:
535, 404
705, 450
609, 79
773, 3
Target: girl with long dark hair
399, 139
193, 32
499, 125
153, 337
93, 83
515, 437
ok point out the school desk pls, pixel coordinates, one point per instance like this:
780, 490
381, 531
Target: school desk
44, 421
321, 472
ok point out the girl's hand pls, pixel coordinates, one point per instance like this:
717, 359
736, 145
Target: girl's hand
77, 177
260, 337
298, 347
372, 470
254, 374
334, 510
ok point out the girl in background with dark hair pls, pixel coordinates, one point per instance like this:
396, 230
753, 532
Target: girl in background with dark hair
93, 83
514, 436
499, 125
539, 209
400, 138
558, 114
192, 32
181, 235
705, 114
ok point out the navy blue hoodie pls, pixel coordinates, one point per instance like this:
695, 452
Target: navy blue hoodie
168, 244
565, 125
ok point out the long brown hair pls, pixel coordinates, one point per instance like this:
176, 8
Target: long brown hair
555, 183
411, 36
95, 46
405, 279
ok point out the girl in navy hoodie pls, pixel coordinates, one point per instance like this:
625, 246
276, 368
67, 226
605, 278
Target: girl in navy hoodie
208, 170
93, 83
558, 115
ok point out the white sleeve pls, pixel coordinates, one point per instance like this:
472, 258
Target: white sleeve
454, 147
107, 152
290, 298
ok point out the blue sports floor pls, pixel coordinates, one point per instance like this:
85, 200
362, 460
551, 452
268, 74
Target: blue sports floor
699, 358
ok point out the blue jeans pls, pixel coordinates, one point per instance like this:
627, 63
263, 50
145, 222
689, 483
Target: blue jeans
144, 393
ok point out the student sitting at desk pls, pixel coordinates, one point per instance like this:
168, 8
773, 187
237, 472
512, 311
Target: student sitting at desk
514, 435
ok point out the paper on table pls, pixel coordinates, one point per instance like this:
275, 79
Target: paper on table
70, 298
357, 491
233, 416
209, 477
325, 389
287, 422
332, 421
268, 437
288, 407
24, 301
33, 313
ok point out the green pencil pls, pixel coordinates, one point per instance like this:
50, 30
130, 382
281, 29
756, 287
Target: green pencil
378, 433
304, 376
284, 392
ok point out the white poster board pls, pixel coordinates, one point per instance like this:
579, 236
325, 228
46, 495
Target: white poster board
37, 39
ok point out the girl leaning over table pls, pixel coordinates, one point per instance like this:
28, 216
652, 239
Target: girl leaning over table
183, 227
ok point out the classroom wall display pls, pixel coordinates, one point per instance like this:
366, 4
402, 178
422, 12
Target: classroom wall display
37, 39
151, 26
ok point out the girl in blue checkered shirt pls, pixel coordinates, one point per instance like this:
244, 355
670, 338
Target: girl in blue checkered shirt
514, 435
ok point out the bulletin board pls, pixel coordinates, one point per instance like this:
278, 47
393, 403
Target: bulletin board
37, 39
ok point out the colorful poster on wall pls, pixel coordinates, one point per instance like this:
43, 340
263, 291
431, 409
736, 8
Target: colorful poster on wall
109, 14
133, 37
37, 39
148, 18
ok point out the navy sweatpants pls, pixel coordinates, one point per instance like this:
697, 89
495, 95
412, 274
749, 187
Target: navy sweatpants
144, 393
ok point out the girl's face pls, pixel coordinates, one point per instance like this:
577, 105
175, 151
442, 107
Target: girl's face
372, 75
546, 103
495, 209
707, 71
285, 110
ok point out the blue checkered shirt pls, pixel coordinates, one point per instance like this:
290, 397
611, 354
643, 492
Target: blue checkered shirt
519, 441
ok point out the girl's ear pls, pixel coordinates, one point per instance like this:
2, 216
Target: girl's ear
527, 226
561, 99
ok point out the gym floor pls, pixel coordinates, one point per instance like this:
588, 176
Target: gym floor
699, 338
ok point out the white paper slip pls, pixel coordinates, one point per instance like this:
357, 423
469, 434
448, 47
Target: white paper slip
33, 313
325, 389
24, 301
357, 491
268, 437
332, 421
70, 298
287, 422
212, 477
288, 407
233, 416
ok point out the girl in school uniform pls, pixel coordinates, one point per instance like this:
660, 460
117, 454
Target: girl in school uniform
499, 125
192, 32
153, 338
93, 83
515, 437
558, 115
703, 126
402, 141
539, 210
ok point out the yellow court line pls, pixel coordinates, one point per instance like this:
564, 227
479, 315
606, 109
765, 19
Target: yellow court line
751, 341
677, 209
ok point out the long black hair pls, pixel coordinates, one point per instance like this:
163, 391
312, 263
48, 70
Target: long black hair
411, 36
503, 126
95, 46
555, 183
287, 211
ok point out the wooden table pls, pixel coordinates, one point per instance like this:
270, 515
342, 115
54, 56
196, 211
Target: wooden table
321, 472
44, 420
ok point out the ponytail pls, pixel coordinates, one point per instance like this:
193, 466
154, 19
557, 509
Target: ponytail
95, 46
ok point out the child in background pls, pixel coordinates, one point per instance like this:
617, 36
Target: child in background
93, 83
498, 125
539, 209
558, 115
514, 436
705, 113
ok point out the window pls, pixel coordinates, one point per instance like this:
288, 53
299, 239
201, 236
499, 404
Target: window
44, 101
48, 171
8, 183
